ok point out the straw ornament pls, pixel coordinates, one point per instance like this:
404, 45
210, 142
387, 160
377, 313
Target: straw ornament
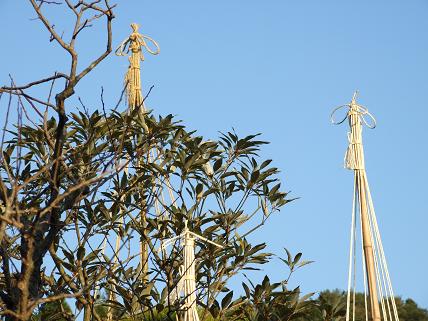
135, 43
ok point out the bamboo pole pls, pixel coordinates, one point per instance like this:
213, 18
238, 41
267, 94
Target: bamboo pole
368, 249
355, 161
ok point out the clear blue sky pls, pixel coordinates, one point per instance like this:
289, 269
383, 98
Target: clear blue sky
280, 67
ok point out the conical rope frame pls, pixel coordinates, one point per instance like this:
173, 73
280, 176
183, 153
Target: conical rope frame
185, 290
135, 99
379, 301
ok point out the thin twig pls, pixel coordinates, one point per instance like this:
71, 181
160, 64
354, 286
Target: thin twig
37, 82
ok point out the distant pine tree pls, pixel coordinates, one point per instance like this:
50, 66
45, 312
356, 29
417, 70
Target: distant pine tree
409, 311
331, 306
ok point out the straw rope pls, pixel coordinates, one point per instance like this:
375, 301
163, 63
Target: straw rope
134, 45
351, 257
382, 255
364, 274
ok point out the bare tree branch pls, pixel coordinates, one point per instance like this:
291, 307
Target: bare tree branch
49, 26
37, 82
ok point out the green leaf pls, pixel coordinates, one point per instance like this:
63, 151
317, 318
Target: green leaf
246, 289
303, 263
297, 258
226, 300
80, 252
199, 188
217, 164
288, 261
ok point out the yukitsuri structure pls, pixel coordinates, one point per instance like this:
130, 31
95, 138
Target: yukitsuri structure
185, 290
135, 43
133, 47
381, 305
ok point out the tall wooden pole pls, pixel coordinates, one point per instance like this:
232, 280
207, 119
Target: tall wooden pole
135, 43
368, 250
355, 161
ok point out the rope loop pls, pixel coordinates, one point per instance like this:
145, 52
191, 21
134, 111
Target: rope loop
157, 48
353, 108
332, 119
136, 41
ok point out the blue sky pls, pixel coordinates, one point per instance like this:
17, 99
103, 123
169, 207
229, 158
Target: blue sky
279, 68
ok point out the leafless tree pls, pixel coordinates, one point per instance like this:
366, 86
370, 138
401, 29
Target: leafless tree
39, 226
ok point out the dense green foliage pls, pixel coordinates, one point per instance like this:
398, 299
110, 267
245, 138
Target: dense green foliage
268, 301
116, 171
331, 306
